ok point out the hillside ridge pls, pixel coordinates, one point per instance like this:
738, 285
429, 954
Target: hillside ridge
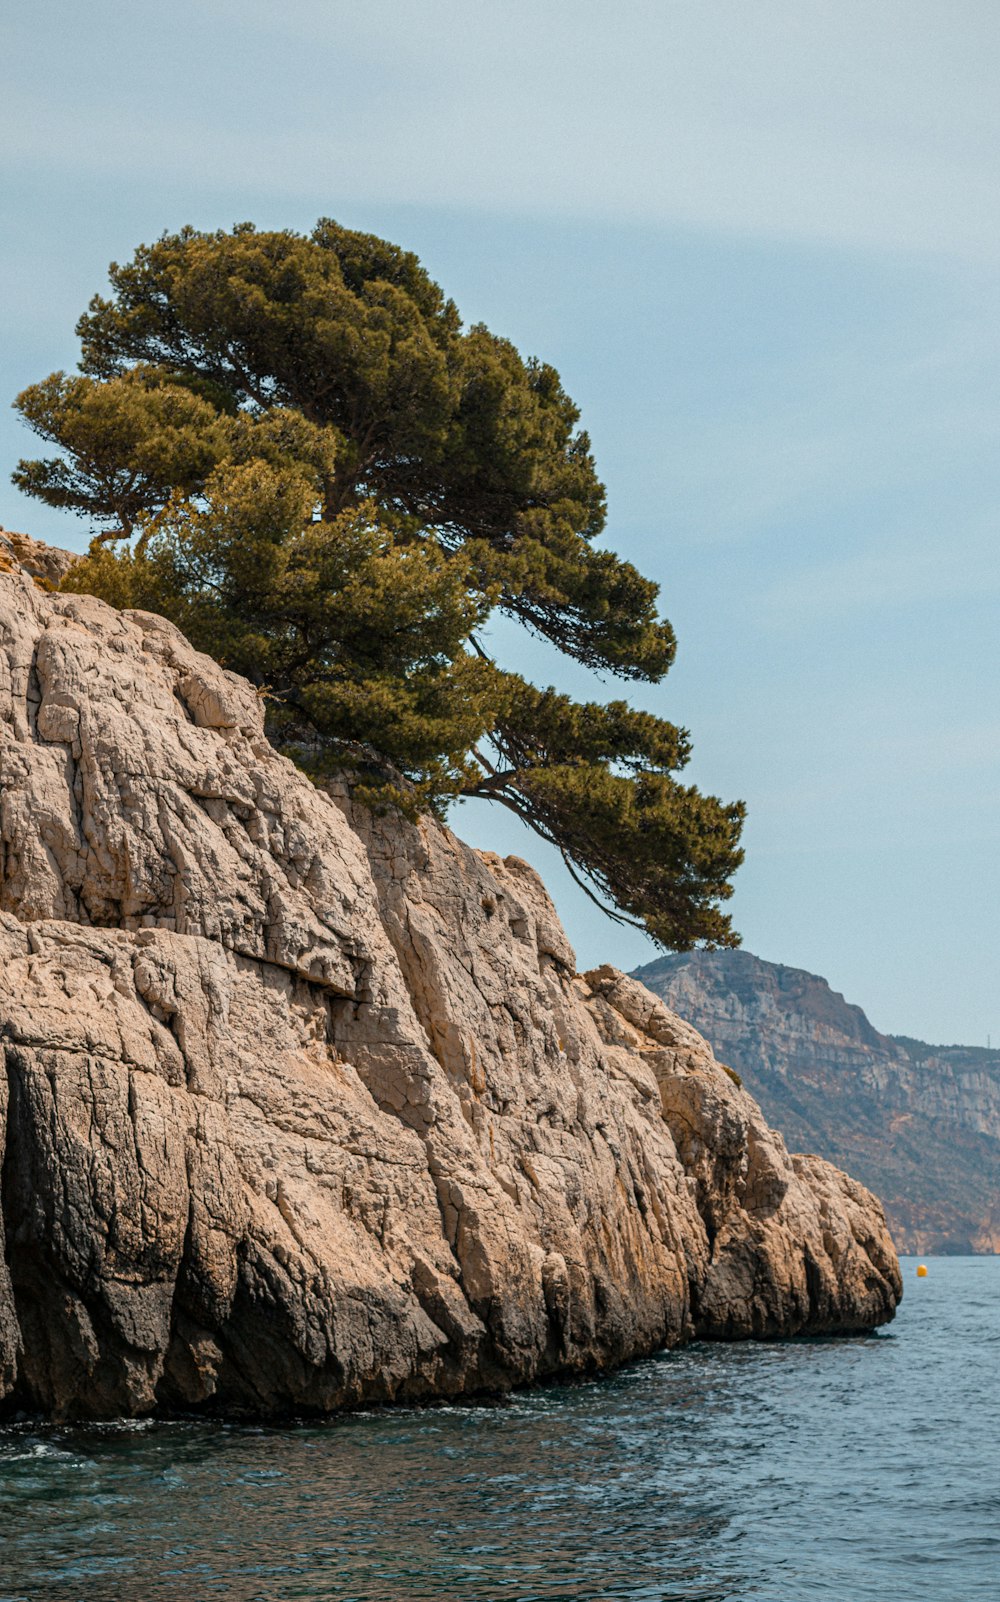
919, 1123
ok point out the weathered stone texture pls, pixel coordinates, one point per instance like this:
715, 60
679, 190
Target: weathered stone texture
304, 1108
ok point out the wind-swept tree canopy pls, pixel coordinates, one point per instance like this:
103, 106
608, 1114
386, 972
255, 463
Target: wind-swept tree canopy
294, 449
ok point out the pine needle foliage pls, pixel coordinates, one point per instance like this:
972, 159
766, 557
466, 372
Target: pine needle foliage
293, 448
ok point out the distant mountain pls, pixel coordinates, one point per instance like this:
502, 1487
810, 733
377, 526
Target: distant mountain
918, 1124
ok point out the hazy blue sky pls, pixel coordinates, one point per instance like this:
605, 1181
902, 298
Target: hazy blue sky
761, 242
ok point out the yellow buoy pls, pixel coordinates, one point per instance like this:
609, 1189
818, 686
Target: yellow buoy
921, 1270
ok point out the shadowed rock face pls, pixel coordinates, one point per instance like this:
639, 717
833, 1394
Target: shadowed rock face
919, 1123
303, 1108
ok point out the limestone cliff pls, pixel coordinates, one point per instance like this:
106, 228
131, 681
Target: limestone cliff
919, 1123
303, 1109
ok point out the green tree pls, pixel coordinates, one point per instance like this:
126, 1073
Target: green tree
293, 448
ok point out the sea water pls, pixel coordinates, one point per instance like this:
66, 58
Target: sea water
860, 1470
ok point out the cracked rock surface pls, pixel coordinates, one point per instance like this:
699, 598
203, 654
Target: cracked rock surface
303, 1108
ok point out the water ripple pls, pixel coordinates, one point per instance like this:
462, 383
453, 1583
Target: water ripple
841, 1471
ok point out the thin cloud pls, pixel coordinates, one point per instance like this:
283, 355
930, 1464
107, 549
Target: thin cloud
913, 568
862, 126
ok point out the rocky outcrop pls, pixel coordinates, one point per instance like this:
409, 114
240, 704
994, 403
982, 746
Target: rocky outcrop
303, 1108
46, 564
918, 1123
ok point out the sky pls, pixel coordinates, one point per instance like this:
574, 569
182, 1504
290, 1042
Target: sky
761, 243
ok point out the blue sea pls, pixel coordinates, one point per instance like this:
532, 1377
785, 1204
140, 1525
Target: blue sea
861, 1470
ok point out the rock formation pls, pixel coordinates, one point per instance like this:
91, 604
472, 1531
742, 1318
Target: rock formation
918, 1123
304, 1109
47, 564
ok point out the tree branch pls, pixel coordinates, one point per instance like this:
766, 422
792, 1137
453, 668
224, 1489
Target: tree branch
516, 804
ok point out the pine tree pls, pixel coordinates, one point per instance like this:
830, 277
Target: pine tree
294, 449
